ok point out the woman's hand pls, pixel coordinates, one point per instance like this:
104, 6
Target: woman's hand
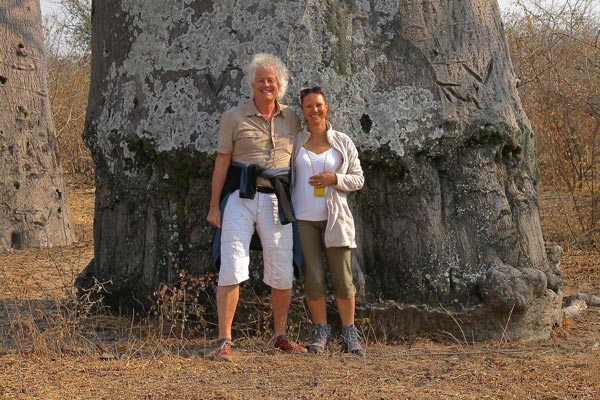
320, 180
214, 217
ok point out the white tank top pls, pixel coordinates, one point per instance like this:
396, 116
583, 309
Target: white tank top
307, 206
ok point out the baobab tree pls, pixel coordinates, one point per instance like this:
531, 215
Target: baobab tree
34, 210
448, 228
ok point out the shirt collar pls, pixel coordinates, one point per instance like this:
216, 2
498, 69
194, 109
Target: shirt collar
251, 110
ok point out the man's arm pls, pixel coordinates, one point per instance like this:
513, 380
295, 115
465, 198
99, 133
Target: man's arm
218, 180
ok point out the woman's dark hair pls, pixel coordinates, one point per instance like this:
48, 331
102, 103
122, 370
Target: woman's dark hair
305, 92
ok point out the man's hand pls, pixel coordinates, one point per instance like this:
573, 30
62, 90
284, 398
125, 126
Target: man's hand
214, 217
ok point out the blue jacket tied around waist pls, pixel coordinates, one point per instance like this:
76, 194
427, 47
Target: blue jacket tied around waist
243, 177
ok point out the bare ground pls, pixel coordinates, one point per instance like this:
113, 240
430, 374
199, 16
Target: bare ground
46, 354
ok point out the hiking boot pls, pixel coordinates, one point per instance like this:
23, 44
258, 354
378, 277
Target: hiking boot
351, 342
283, 343
224, 351
321, 340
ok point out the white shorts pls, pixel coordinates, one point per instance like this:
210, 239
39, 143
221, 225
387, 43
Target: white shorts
240, 218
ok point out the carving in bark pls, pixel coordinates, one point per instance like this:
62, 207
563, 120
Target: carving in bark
448, 227
34, 210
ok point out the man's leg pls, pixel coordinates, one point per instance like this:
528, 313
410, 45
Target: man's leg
280, 304
236, 232
277, 242
227, 299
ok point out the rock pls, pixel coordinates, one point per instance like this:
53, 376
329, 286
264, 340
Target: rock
554, 276
574, 309
590, 299
507, 288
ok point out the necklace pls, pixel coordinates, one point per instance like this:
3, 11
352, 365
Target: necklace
318, 191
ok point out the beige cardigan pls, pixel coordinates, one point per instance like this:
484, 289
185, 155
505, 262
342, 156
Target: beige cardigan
340, 223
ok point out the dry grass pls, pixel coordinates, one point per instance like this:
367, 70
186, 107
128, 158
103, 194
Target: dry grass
51, 349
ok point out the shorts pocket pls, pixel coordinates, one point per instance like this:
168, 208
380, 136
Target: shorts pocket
275, 206
235, 208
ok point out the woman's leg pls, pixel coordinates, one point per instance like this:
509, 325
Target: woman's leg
311, 240
346, 310
310, 234
339, 261
318, 310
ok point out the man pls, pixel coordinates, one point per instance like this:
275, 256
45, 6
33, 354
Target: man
255, 144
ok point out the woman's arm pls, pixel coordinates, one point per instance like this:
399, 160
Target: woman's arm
353, 179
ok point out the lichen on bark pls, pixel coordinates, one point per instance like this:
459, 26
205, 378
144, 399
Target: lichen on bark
448, 214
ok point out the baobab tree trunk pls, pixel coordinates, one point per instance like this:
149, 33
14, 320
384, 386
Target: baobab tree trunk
448, 227
34, 210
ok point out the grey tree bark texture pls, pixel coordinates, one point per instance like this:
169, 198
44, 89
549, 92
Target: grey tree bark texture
34, 210
448, 227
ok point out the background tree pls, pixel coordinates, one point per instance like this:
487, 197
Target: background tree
448, 226
556, 53
77, 25
68, 47
34, 210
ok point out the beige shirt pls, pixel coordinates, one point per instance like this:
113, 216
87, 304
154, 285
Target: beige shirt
250, 139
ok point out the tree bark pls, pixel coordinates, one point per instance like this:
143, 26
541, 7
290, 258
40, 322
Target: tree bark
34, 210
448, 227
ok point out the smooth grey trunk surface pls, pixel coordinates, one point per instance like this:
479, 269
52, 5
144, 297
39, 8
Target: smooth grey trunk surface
447, 222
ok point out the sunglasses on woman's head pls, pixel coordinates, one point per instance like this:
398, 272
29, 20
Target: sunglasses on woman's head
307, 91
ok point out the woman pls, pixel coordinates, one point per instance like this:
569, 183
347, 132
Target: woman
325, 168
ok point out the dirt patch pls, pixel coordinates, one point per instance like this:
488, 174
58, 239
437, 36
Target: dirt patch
50, 351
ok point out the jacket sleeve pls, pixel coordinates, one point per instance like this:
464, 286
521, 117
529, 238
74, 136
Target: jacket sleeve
353, 178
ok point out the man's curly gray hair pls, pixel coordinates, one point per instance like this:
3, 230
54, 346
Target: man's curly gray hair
268, 60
